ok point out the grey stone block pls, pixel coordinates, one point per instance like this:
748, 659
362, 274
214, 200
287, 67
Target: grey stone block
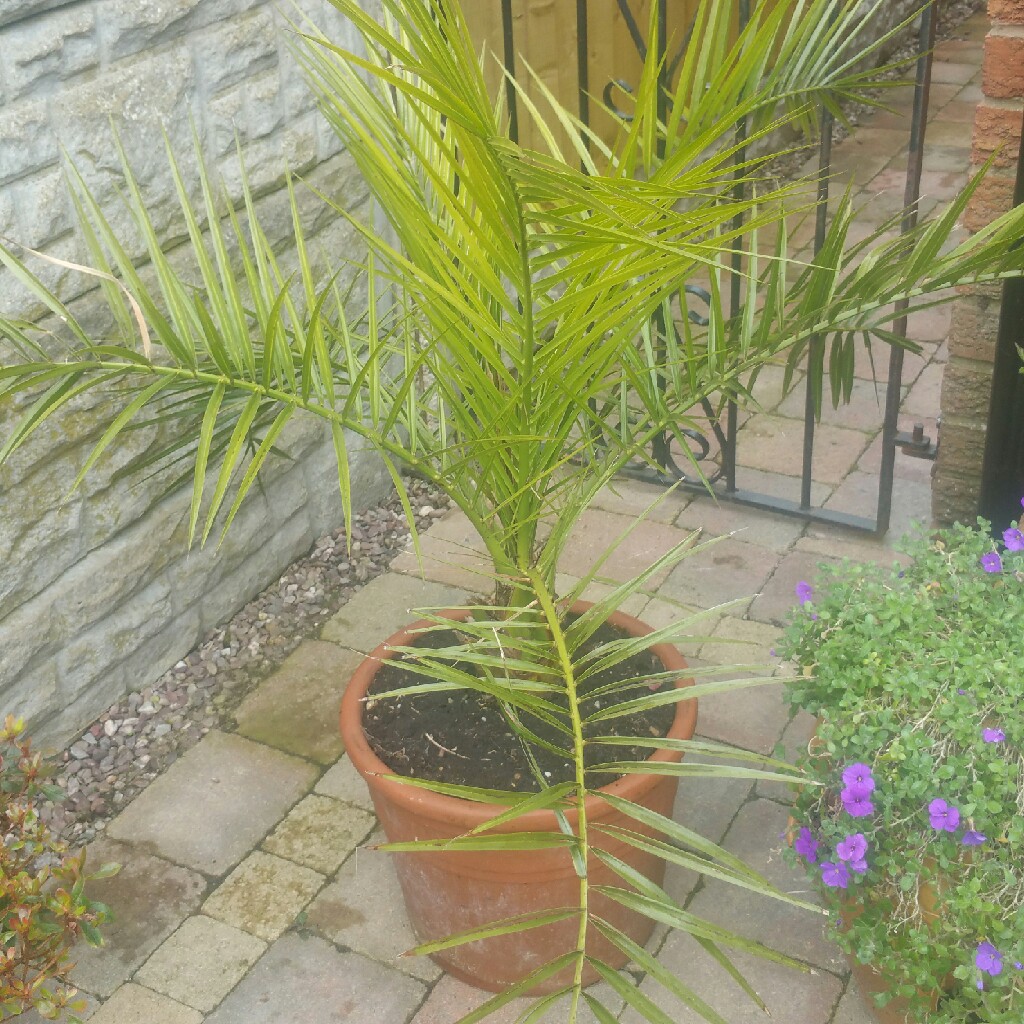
237, 49
201, 962
215, 803
309, 980
149, 897
47, 50
320, 833
44, 210
133, 1004
26, 142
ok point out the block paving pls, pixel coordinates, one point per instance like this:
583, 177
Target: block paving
251, 892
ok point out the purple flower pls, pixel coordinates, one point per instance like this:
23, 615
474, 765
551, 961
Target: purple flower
859, 867
858, 777
806, 845
972, 838
944, 817
991, 562
1013, 539
993, 735
803, 592
852, 848
835, 875
1018, 965
962, 692
988, 959
857, 803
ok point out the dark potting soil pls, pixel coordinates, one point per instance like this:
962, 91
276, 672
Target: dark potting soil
461, 737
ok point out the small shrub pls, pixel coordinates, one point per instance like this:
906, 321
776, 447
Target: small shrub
914, 836
43, 906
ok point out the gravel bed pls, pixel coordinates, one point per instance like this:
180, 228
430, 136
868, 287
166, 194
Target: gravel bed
139, 737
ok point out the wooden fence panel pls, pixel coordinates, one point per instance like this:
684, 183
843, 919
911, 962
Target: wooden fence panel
545, 38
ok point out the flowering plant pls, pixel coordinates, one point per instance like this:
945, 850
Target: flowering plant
915, 837
44, 910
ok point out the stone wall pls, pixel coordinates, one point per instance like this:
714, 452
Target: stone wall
968, 376
98, 595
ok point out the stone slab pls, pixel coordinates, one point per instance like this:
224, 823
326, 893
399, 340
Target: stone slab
212, 806
264, 895
320, 833
450, 1000
792, 996
598, 532
133, 1004
452, 553
852, 1009
201, 962
343, 782
777, 600
767, 529
296, 708
728, 570
308, 980
384, 606
755, 837
149, 898
363, 910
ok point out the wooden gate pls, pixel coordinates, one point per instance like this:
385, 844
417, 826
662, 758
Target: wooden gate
545, 35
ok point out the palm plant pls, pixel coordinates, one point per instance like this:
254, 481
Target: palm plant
505, 350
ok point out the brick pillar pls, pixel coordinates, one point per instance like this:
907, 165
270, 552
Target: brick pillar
975, 322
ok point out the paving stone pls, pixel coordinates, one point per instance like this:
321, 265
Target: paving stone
775, 444
777, 599
201, 962
308, 981
343, 782
215, 803
729, 570
633, 605
707, 807
263, 895
320, 833
598, 531
149, 898
451, 1000
864, 412
792, 996
828, 542
133, 1004
296, 708
635, 498
695, 624
453, 554
752, 526
852, 1009
911, 501
778, 485
754, 836
795, 737
363, 910
751, 717
384, 606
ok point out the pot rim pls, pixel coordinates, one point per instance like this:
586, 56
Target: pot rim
466, 813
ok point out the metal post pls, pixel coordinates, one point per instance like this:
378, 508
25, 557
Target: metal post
736, 282
508, 36
583, 65
1002, 473
915, 163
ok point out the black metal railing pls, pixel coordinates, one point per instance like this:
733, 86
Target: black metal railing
723, 475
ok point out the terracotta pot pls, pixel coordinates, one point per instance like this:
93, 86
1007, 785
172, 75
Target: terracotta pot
446, 893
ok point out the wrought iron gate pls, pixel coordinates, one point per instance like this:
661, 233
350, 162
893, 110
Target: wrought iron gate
725, 428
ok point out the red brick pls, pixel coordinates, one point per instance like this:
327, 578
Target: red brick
1003, 74
1011, 11
993, 197
997, 130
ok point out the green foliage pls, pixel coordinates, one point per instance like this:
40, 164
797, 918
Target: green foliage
905, 669
44, 910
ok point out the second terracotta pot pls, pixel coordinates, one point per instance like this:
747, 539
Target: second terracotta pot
446, 893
